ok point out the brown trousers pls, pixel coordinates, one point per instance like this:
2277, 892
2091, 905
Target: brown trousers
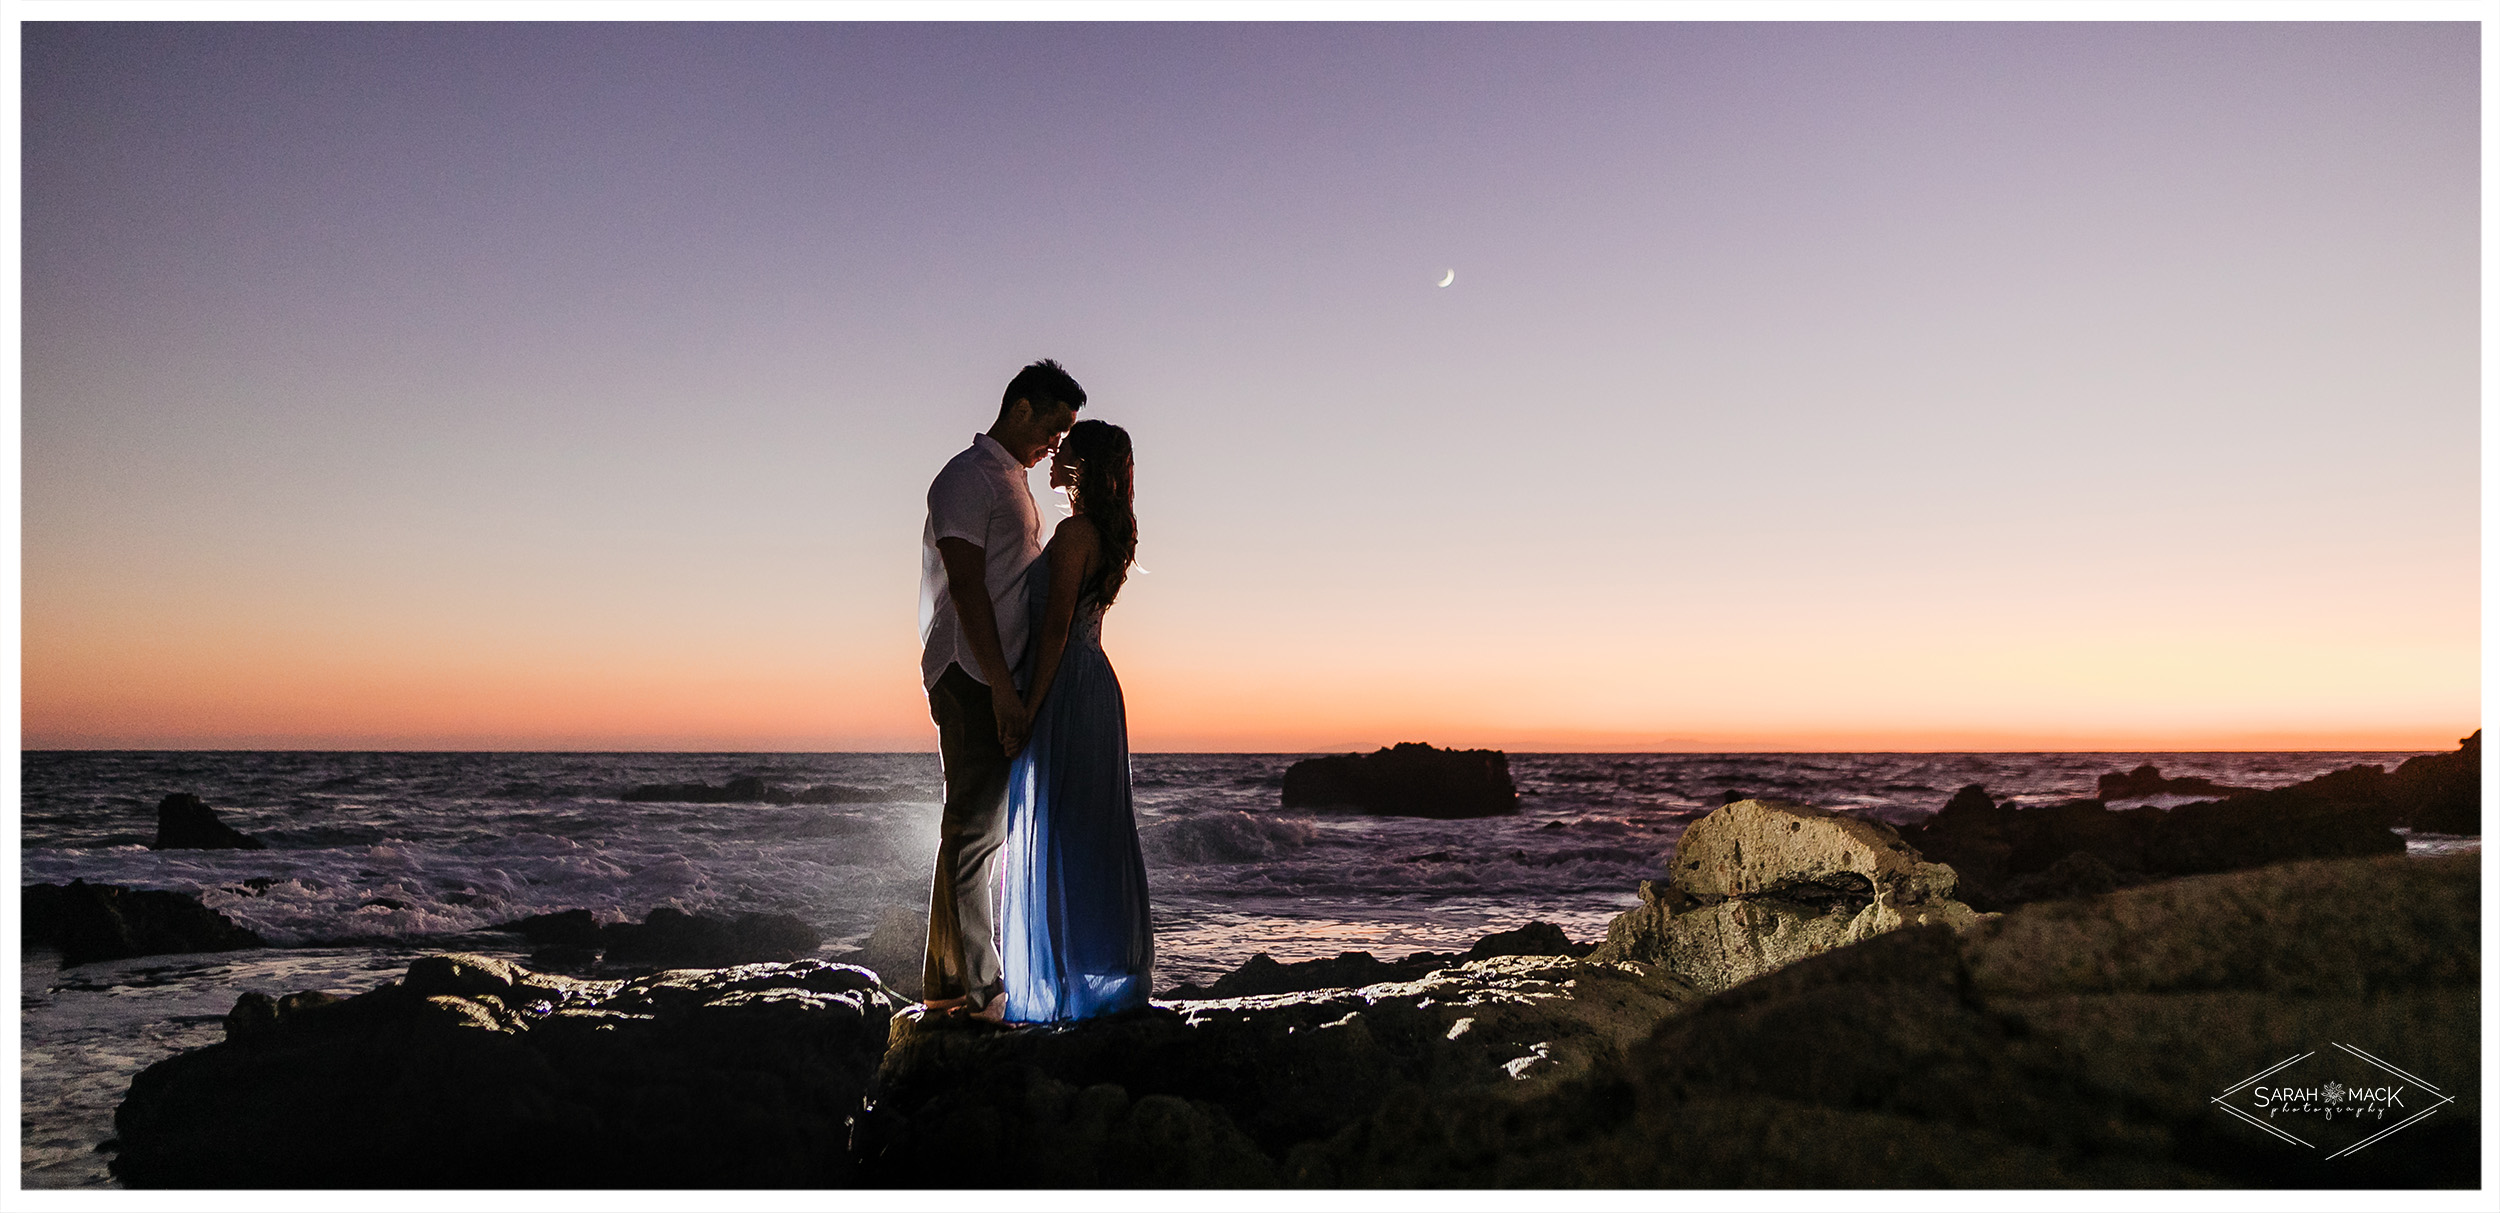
963, 933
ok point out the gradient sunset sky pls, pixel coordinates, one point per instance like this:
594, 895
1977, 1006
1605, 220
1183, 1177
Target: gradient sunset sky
1801, 386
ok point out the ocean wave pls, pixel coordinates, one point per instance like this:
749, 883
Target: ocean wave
1225, 838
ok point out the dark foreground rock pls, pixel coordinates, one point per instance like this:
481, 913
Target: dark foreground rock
574, 941
1220, 1093
183, 821
89, 922
2077, 1043
2441, 793
474, 1073
1406, 780
2073, 1044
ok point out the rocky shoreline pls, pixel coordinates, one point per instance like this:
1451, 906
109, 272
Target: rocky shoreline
1803, 1003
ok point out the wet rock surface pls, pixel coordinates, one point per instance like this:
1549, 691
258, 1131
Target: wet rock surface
89, 922
184, 822
475, 1073
1409, 779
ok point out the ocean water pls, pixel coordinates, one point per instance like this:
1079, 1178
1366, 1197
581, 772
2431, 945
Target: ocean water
374, 859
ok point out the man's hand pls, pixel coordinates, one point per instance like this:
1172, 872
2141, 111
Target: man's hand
967, 584
1015, 721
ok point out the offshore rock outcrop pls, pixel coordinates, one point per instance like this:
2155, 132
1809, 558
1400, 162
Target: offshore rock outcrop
1409, 779
475, 1073
89, 922
183, 821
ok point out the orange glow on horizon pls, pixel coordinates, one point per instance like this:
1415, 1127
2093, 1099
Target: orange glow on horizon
257, 680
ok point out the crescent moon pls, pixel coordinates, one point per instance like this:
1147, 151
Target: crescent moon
1449, 278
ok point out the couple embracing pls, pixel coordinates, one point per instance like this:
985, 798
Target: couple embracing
1037, 911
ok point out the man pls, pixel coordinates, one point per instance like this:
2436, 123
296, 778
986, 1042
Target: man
982, 537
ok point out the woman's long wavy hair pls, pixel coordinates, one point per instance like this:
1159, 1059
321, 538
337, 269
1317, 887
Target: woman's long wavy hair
1106, 494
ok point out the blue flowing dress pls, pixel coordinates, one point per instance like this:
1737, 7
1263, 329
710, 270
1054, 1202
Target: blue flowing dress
1074, 935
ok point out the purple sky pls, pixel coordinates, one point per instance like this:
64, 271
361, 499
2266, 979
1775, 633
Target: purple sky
578, 385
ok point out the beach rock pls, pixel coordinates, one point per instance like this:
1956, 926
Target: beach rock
1409, 779
2147, 780
2442, 793
1263, 974
90, 922
1761, 884
563, 929
2079, 874
472, 1072
2068, 1044
1534, 939
2002, 854
673, 939
1757, 848
2335, 815
1217, 1093
182, 821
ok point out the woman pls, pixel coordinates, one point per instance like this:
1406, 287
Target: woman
1074, 935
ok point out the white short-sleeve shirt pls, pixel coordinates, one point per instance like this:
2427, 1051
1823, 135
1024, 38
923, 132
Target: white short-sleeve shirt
980, 497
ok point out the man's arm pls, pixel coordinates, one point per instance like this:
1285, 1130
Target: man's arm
967, 582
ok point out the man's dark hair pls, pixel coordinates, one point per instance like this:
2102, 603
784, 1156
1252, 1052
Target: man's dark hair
1044, 383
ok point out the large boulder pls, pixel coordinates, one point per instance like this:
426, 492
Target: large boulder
1756, 848
476, 1073
184, 821
2069, 1044
1408, 779
1760, 884
89, 922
